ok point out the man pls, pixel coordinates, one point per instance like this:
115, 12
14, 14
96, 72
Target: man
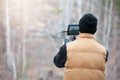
83, 58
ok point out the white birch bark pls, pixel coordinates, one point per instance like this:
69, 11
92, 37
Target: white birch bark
67, 19
109, 23
10, 55
105, 24
23, 3
79, 8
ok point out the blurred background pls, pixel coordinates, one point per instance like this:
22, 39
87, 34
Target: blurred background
29, 41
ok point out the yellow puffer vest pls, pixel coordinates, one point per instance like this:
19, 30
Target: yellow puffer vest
85, 59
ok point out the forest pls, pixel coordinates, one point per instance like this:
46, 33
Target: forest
29, 35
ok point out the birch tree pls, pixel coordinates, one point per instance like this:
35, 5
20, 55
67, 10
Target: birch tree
23, 15
10, 56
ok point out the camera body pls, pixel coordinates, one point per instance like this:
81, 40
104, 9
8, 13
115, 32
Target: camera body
72, 32
73, 29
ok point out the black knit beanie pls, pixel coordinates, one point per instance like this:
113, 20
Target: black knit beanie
88, 24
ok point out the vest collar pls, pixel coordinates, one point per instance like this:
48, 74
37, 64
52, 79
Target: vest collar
85, 35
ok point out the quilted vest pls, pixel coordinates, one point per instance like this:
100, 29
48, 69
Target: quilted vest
85, 59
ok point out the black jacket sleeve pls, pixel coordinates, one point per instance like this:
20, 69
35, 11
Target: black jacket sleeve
107, 56
60, 58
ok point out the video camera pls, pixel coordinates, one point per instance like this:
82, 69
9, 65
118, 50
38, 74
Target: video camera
73, 30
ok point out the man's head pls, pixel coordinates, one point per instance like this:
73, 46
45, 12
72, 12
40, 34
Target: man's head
88, 24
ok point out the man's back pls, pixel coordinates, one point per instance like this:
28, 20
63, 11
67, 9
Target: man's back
85, 59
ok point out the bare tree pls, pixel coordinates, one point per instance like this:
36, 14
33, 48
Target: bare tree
10, 56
